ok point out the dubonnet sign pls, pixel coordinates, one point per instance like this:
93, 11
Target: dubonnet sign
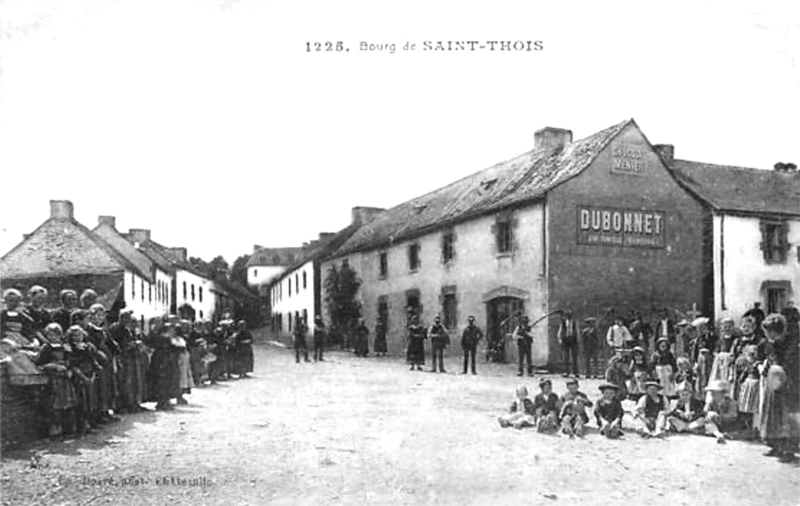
607, 226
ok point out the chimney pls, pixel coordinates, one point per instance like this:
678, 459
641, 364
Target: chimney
107, 220
550, 138
361, 215
666, 152
139, 235
326, 236
61, 209
177, 253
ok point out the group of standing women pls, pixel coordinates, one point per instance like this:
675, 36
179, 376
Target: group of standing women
93, 369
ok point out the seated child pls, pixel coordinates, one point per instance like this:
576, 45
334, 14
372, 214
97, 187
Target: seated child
721, 412
688, 409
573, 410
685, 374
651, 411
616, 374
547, 407
521, 413
608, 412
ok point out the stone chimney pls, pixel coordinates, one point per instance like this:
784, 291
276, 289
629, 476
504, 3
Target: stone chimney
107, 220
361, 215
139, 235
61, 209
666, 152
177, 253
550, 138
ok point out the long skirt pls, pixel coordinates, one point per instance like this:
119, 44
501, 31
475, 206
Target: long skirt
60, 393
415, 353
199, 367
664, 375
749, 396
723, 367
85, 400
380, 344
773, 413
185, 380
105, 387
243, 362
163, 381
131, 379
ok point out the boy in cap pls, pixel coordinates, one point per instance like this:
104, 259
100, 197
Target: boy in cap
688, 410
547, 407
651, 411
470, 338
608, 411
437, 333
573, 410
521, 412
721, 411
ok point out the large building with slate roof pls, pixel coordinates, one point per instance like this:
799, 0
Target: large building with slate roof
599, 226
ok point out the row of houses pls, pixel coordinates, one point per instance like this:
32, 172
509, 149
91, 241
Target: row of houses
128, 270
604, 225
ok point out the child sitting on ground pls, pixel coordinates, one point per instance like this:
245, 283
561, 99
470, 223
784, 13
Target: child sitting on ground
573, 410
547, 407
721, 412
651, 411
521, 412
608, 412
686, 412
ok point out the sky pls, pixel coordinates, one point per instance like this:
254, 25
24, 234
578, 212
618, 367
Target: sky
208, 122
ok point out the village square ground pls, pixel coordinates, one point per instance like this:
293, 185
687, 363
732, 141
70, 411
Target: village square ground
368, 431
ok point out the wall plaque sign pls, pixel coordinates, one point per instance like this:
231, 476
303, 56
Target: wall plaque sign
608, 226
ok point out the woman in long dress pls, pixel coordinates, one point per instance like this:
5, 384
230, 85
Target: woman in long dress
665, 367
416, 344
723, 367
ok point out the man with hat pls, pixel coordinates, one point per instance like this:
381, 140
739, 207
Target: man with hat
319, 338
591, 348
688, 412
573, 410
524, 337
665, 328
437, 333
469, 343
651, 411
608, 411
682, 338
721, 411
547, 407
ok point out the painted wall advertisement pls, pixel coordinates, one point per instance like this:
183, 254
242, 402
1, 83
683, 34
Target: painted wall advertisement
609, 226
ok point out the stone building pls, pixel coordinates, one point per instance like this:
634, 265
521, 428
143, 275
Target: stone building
265, 264
755, 233
599, 226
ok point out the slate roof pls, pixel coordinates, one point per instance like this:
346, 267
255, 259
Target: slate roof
279, 257
144, 266
173, 260
739, 189
321, 251
524, 178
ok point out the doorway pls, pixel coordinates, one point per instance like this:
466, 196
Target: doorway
502, 316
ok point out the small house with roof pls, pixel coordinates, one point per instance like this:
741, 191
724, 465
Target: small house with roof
265, 264
599, 226
754, 233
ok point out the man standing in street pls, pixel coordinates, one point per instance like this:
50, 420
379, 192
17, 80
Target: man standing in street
319, 338
439, 341
591, 348
522, 334
300, 339
568, 337
469, 343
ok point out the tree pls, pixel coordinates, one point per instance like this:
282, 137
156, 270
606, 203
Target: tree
219, 267
239, 270
341, 289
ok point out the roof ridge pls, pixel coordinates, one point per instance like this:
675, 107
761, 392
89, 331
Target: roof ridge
735, 167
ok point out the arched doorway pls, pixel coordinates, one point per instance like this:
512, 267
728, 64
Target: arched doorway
504, 308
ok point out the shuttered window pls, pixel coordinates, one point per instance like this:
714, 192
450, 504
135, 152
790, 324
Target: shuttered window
774, 241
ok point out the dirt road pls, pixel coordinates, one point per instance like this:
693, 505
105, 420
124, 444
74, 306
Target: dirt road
368, 431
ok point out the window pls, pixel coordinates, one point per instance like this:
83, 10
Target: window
192, 292
290, 322
255, 273
383, 262
184, 290
290, 287
305, 316
304, 279
142, 290
449, 317
504, 236
774, 241
296, 282
149, 293
448, 246
133, 287
201, 294
201, 314
413, 257
383, 310
776, 300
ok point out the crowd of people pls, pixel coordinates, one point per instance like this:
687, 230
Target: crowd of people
93, 366
738, 381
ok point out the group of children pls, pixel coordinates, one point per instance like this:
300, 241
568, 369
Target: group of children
740, 382
92, 369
